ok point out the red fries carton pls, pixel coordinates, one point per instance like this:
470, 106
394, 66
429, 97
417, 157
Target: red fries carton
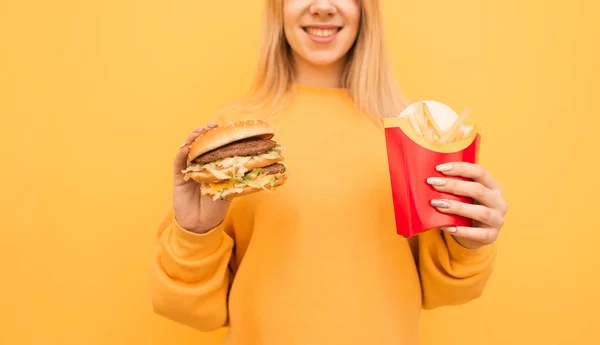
425, 135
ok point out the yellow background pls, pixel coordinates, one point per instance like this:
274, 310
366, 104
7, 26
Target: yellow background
96, 96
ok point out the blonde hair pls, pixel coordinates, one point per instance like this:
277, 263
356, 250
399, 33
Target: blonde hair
368, 77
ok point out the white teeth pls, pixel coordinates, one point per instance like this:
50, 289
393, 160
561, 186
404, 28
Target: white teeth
321, 32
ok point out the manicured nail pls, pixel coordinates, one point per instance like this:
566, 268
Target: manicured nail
436, 181
211, 125
444, 167
450, 229
182, 145
440, 203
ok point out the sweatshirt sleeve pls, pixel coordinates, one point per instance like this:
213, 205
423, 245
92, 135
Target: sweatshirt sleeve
190, 275
450, 273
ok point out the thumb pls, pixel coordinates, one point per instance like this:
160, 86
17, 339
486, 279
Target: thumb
180, 162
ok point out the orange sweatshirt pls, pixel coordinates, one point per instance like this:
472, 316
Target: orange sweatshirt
318, 262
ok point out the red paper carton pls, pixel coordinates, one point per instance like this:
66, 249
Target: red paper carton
426, 134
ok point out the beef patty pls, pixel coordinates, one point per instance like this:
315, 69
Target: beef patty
246, 147
273, 169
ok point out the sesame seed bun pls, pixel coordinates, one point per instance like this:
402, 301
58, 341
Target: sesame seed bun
227, 134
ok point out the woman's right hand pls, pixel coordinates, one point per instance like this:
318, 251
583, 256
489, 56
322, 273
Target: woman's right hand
194, 212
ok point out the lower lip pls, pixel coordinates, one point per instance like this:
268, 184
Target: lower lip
322, 40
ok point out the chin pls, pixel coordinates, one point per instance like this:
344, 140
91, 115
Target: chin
323, 58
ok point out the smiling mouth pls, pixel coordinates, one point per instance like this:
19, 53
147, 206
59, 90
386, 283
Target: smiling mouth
321, 32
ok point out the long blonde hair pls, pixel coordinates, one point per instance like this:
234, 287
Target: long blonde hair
368, 77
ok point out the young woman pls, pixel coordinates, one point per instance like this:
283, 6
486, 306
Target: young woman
319, 261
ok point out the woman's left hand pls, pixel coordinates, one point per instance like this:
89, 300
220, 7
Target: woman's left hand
487, 212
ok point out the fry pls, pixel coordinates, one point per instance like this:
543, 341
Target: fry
431, 120
413, 122
459, 135
420, 119
451, 132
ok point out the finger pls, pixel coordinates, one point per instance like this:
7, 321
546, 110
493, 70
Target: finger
480, 213
180, 162
470, 189
472, 171
482, 235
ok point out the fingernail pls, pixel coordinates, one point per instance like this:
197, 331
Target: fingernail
451, 229
436, 181
211, 125
444, 167
182, 145
440, 203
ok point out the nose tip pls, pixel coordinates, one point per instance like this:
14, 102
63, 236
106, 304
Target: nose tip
322, 8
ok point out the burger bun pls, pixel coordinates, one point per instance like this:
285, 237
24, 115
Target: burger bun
231, 132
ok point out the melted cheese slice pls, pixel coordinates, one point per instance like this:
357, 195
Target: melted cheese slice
215, 187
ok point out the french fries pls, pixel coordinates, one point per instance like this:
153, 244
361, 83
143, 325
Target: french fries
423, 122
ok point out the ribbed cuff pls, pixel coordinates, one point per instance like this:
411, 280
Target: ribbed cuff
463, 254
187, 244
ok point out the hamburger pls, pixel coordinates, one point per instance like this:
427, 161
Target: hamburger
236, 159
